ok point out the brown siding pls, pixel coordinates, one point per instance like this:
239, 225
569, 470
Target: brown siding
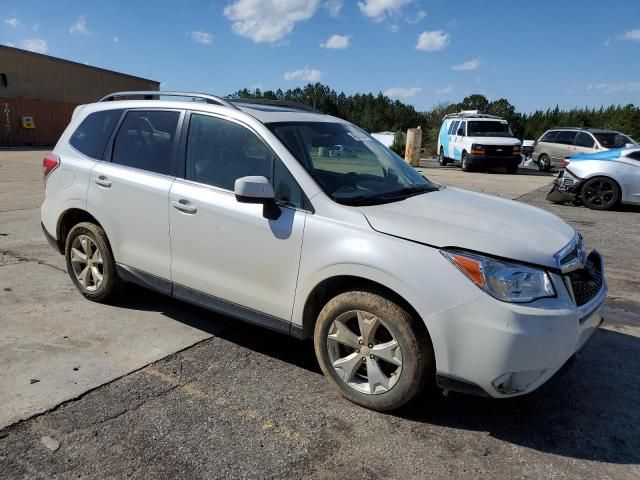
31, 75
50, 118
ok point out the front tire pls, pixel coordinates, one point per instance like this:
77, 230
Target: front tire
442, 159
90, 262
372, 351
464, 162
600, 193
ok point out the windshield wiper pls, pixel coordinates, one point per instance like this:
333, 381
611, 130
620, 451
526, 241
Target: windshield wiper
409, 191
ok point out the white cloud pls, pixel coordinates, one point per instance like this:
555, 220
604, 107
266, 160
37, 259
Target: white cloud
202, 37
268, 20
338, 42
379, 9
37, 45
468, 65
333, 7
632, 35
402, 92
432, 41
12, 22
393, 28
420, 14
607, 42
116, 39
443, 90
80, 26
306, 73
615, 87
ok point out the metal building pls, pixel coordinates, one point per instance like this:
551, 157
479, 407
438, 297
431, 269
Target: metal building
38, 94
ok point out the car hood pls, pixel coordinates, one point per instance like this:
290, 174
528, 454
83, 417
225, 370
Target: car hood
452, 217
500, 141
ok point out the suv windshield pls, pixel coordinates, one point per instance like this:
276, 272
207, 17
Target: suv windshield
348, 164
613, 139
488, 129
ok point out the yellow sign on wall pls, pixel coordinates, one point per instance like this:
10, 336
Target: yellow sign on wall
27, 122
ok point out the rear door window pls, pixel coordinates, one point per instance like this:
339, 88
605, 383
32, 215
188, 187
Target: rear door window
145, 140
92, 135
549, 137
565, 137
583, 139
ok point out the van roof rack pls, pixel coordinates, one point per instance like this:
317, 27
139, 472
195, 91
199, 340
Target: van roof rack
471, 113
275, 103
156, 94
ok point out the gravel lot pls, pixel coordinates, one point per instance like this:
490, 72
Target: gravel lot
247, 403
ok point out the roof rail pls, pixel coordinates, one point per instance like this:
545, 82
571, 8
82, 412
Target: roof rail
470, 113
276, 103
156, 94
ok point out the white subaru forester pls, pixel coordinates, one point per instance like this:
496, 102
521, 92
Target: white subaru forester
239, 206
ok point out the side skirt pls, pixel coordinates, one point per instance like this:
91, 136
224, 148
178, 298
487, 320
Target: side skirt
207, 301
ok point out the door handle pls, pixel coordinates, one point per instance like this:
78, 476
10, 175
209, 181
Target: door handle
103, 181
184, 206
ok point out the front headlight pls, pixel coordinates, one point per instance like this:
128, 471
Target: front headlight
506, 281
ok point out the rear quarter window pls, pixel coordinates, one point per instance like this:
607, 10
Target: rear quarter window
92, 135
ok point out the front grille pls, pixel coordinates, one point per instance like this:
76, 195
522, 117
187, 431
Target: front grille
498, 151
587, 282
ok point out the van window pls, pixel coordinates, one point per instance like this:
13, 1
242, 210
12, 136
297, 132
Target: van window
565, 137
3, 80
549, 137
220, 151
583, 139
145, 140
93, 134
463, 126
453, 127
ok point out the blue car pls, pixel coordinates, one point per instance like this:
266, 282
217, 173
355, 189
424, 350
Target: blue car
599, 180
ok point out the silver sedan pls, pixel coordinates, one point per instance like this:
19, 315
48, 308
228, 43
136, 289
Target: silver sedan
600, 180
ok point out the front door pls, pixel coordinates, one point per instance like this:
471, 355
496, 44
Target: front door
225, 254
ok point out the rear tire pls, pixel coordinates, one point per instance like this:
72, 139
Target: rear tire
442, 159
90, 262
600, 193
372, 351
544, 163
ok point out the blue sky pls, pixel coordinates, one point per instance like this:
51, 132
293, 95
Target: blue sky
535, 53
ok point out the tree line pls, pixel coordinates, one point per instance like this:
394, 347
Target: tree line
376, 113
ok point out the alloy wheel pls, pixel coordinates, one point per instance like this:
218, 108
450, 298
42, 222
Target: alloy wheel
87, 264
600, 193
364, 352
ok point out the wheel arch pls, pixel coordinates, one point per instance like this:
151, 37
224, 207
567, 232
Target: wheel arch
337, 284
67, 220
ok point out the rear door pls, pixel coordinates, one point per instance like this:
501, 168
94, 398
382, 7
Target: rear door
228, 254
130, 193
563, 145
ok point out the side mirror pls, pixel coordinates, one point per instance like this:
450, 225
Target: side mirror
253, 190
460, 132
258, 190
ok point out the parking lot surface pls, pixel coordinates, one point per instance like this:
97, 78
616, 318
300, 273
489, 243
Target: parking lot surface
242, 402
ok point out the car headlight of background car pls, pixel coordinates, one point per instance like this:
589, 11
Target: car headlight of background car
506, 281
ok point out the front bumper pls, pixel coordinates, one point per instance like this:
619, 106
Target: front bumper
502, 350
492, 161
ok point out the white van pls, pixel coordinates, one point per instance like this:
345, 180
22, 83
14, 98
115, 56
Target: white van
477, 140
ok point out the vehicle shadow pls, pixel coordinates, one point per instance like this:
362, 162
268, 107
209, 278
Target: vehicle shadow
591, 413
